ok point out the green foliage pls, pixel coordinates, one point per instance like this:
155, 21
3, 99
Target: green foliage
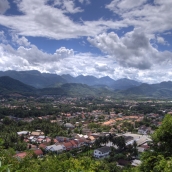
159, 159
4, 168
162, 137
93, 125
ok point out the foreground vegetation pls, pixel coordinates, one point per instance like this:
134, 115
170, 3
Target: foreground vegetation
158, 159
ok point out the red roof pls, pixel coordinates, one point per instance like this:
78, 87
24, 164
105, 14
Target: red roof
38, 152
55, 140
67, 144
81, 140
20, 155
43, 146
73, 143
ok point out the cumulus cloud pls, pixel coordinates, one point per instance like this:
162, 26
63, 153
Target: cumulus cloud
65, 61
4, 6
151, 16
62, 61
131, 55
68, 6
37, 57
161, 40
63, 52
39, 18
131, 50
22, 41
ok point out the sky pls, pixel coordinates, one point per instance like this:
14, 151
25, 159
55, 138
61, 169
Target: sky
116, 38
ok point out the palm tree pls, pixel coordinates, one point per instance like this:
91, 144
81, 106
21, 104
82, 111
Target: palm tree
110, 138
97, 143
114, 140
120, 142
104, 140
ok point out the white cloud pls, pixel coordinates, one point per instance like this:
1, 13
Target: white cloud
4, 6
84, 1
3, 37
148, 16
22, 41
126, 56
124, 5
63, 52
40, 19
161, 40
62, 61
69, 6
65, 61
131, 50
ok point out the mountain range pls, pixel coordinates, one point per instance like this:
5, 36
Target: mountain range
43, 80
36, 83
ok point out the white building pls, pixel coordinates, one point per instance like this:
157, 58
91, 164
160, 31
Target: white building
55, 148
102, 152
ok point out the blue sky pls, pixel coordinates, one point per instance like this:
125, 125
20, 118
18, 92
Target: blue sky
116, 38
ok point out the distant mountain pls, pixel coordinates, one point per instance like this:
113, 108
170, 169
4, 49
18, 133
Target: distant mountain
89, 80
68, 78
75, 89
163, 89
104, 82
9, 85
43, 80
34, 78
123, 84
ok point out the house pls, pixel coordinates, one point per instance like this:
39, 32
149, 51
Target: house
68, 145
38, 152
74, 143
81, 136
36, 133
144, 130
47, 139
22, 133
69, 125
80, 142
55, 148
129, 140
136, 162
91, 138
43, 145
20, 155
102, 152
143, 148
62, 139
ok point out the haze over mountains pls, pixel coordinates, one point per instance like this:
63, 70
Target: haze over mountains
36, 83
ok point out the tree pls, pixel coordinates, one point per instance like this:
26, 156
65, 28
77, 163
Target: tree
159, 158
4, 168
162, 137
120, 142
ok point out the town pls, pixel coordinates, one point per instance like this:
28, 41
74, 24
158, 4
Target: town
100, 128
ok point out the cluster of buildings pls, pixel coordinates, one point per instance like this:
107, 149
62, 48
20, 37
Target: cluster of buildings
36, 140
41, 144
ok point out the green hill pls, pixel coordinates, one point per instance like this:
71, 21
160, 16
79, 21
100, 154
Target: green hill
74, 89
161, 90
9, 85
